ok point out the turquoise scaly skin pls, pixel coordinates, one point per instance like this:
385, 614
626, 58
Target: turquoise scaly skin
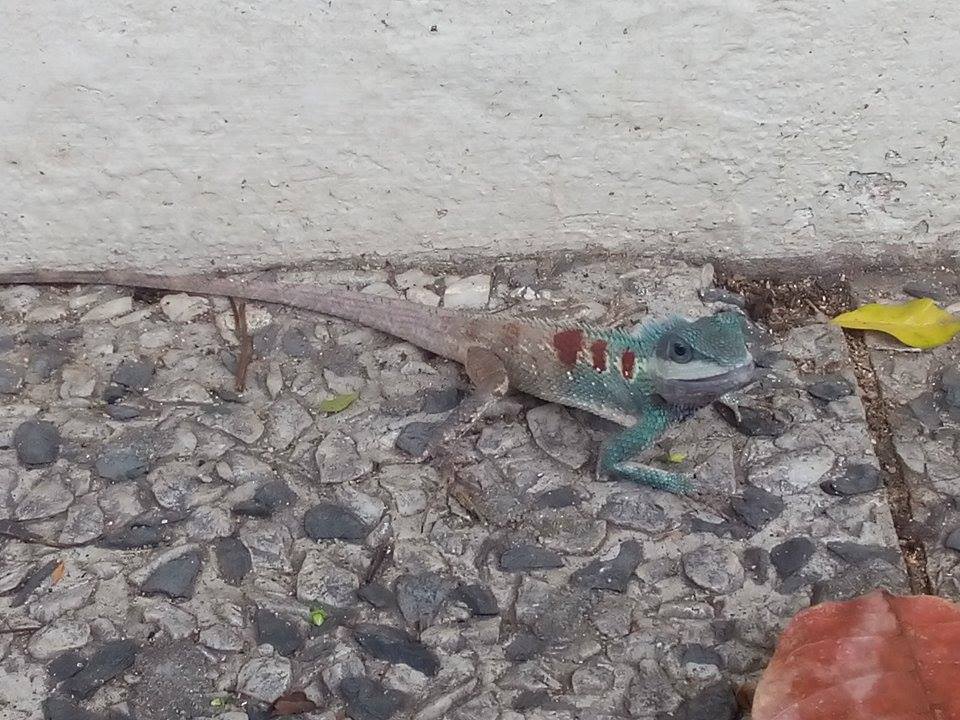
649, 379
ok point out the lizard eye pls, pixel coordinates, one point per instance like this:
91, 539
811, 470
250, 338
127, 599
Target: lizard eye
680, 352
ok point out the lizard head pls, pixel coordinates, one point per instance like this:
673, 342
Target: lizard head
698, 361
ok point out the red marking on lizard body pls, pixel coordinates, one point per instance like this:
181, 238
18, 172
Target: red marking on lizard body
568, 344
598, 353
627, 364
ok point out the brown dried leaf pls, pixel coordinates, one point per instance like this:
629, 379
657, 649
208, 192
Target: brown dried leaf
58, 572
292, 703
876, 657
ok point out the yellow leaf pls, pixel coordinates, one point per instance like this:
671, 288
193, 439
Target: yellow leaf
919, 323
676, 457
338, 403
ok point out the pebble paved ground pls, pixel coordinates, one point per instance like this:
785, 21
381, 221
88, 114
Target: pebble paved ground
174, 549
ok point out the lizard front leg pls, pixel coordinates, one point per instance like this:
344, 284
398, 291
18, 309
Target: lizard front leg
616, 454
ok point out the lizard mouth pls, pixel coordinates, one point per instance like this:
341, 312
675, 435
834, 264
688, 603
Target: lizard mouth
698, 392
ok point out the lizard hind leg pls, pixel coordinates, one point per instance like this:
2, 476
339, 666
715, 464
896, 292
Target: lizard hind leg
489, 377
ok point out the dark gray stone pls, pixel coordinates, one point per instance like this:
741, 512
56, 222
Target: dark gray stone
11, 379
396, 646
133, 536
105, 664
612, 574
113, 394
66, 665
414, 437
754, 421
950, 383
479, 599
377, 595
924, 408
121, 463
134, 375
856, 554
756, 561
280, 632
32, 581
529, 557
560, 497
419, 596
267, 499
856, 479
525, 646
700, 655
296, 344
327, 521
37, 443
830, 387
369, 700
122, 412
712, 294
57, 707
937, 292
791, 556
174, 578
756, 507
952, 540
438, 401
715, 702
233, 560
43, 363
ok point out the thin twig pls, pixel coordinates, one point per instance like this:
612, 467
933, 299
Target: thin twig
246, 342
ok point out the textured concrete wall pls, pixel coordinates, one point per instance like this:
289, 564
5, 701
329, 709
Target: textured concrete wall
218, 133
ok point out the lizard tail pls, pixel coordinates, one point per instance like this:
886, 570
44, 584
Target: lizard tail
427, 327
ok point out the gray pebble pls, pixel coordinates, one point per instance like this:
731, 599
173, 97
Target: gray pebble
791, 556
479, 600
134, 375
106, 663
370, 700
713, 569
611, 574
757, 507
57, 707
420, 595
264, 678
11, 378
525, 646
529, 557
48, 497
118, 464
557, 498
754, 421
233, 560
37, 443
327, 521
175, 578
279, 632
715, 702
396, 646
950, 383
953, 540
414, 437
831, 387
438, 401
856, 479
296, 343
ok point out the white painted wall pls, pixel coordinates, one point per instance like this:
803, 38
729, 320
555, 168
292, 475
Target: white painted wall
213, 133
